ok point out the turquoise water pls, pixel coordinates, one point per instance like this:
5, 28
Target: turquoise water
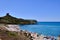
45, 28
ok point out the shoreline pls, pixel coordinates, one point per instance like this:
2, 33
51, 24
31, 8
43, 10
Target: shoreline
31, 35
36, 36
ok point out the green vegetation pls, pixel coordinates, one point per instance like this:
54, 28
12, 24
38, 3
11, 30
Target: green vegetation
8, 19
12, 34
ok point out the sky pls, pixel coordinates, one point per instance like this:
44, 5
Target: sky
40, 10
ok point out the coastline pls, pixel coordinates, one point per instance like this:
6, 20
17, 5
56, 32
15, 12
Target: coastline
44, 36
26, 33
36, 36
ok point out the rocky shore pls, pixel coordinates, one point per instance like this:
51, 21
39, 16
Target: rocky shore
13, 32
35, 36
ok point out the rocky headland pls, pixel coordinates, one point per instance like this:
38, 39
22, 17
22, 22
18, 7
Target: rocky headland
8, 19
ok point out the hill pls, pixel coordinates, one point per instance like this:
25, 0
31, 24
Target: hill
8, 19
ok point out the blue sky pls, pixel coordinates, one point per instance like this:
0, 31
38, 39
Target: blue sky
41, 10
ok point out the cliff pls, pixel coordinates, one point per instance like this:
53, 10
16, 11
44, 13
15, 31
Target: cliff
8, 19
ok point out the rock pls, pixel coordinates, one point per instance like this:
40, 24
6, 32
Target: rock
13, 28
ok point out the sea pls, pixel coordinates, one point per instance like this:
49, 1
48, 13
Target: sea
44, 28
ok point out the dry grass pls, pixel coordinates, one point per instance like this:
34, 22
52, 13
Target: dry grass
8, 35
